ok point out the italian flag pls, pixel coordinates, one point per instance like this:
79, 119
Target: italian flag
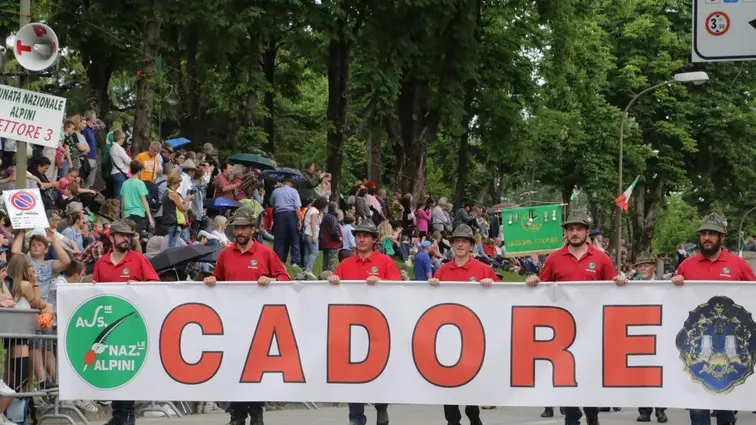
622, 200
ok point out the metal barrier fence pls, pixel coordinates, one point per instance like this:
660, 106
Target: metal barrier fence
29, 368
30, 360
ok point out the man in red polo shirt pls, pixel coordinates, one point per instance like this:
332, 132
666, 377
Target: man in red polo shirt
577, 261
246, 260
463, 268
371, 266
121, 264
713, 263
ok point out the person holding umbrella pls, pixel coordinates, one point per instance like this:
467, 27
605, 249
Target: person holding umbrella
246, 260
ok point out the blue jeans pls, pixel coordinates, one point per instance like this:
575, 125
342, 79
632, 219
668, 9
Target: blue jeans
174, 234
118, 180
702, 417
310, 253
63, 170
357, 412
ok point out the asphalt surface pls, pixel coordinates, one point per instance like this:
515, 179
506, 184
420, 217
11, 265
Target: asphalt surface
425, 415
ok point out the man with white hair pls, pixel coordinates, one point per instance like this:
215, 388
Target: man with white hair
439, 218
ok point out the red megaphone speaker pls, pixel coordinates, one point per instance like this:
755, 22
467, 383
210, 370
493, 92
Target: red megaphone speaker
36, 47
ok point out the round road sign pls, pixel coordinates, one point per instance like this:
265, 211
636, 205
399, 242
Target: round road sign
23, 201
717, 23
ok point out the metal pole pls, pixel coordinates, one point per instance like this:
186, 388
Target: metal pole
619, 210
625, 114
24, 19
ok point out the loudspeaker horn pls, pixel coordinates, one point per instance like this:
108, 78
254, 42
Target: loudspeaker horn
36, 46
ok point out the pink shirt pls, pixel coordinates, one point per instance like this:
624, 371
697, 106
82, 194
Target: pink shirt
422, 219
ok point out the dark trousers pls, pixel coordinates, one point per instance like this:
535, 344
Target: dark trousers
647, 411
572, 415
703, 417
453, 416
122, 407
286, 236
357, 412
240, 409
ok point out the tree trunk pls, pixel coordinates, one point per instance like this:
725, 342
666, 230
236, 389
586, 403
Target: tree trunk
644, 213
269, 68
338, 100
375, 164
253, 69
145, 85
99, 80
418, 125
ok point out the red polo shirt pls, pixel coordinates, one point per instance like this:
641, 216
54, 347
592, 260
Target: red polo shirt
561, 266
726, 267
258, 260
377, 264
133, 267
472, 271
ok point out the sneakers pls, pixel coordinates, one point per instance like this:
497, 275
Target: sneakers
6, 391
5, 421
86, 406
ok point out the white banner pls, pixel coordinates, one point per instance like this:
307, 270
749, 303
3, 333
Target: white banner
650, 344
31, 117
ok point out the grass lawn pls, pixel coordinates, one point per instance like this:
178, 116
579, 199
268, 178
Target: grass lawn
318, 267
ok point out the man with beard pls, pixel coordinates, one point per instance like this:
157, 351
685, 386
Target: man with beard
371, 266
713, 263
577, 261
247, 260
645, 266
463, 268
121, 264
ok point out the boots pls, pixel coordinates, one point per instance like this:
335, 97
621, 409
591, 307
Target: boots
548, 412
661, 416
122, 419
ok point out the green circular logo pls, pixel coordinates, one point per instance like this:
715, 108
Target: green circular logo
107, 342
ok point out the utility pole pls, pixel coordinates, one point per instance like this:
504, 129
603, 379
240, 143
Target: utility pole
24, 19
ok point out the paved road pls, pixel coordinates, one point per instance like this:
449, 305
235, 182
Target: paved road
425, 415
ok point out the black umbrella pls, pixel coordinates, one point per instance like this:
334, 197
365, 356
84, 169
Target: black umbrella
279, 173
173, 257
212, 256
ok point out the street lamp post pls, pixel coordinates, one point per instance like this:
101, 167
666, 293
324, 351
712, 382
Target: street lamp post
696, 78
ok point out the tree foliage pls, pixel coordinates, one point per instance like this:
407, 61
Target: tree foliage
476, 100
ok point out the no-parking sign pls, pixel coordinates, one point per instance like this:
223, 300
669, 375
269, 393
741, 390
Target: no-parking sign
25, 209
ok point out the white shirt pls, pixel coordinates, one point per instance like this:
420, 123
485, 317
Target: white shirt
120, 160
186, 184
308, 230
222, 238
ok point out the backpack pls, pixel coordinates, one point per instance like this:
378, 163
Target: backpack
106, 163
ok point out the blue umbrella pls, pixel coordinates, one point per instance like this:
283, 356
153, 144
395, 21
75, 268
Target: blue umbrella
279, 173
179, 141
689, 246
220, 203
